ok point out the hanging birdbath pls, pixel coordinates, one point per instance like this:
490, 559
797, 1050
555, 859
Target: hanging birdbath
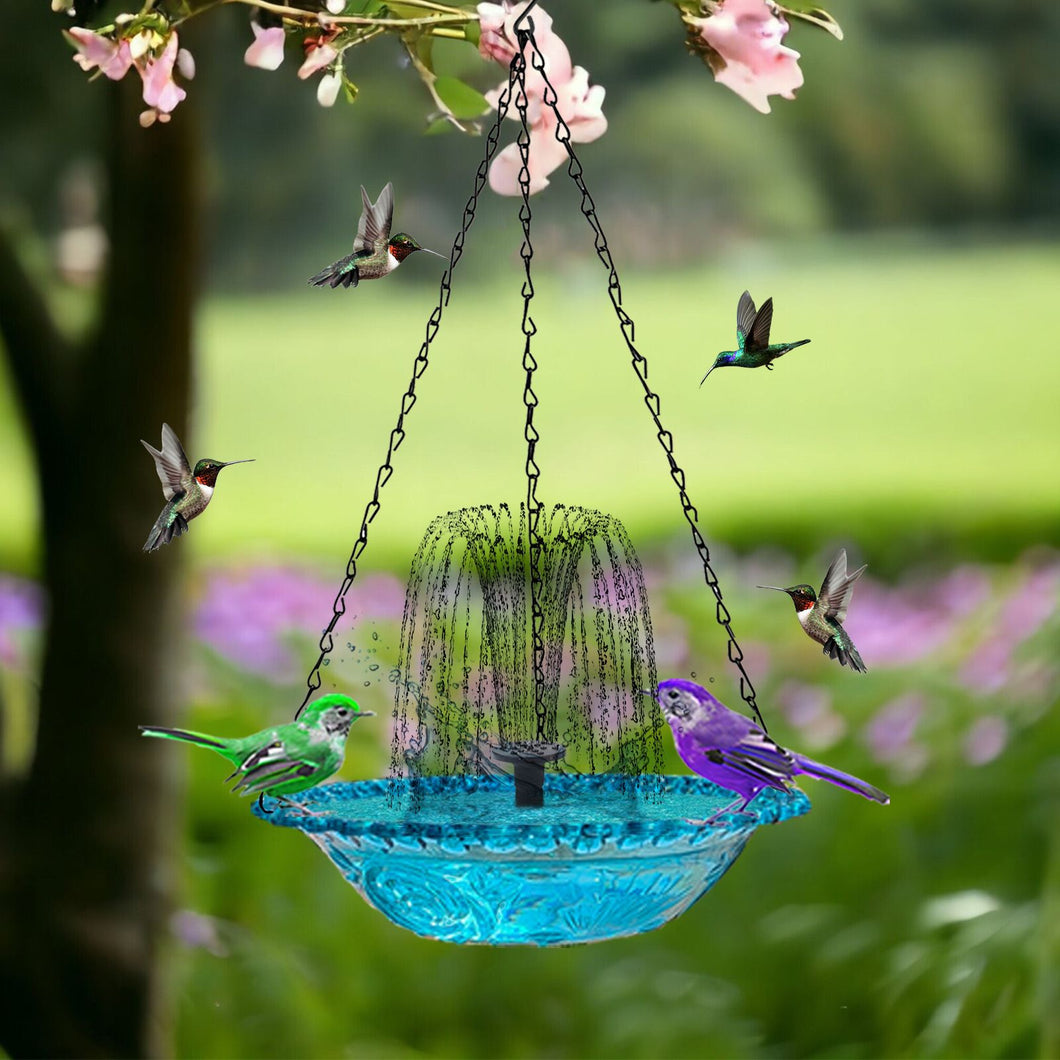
524, 803
603, 858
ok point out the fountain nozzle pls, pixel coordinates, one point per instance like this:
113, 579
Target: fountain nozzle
529, 758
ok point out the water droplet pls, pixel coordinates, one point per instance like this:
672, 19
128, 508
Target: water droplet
693, 673
368, 684
352, 647
327, 662
374, 666
711, 680
375, 636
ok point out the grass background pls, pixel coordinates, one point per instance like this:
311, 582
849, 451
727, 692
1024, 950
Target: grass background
922, 414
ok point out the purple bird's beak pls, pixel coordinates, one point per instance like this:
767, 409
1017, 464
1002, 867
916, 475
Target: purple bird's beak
645, 692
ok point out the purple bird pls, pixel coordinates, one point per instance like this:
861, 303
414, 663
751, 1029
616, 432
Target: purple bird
730, 750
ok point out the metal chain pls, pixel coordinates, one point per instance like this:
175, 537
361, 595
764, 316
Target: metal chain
397, 435
533, 472
651, 399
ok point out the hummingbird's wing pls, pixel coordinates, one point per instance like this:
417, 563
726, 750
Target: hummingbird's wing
172, 465
745, 318
373, 228
758, 338
837, 586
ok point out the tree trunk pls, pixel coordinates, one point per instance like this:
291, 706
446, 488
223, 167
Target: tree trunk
84, 881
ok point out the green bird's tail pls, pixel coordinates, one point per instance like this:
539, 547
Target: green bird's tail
222, 747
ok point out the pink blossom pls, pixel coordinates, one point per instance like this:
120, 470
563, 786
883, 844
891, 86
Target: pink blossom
743, 42
160, 90
318, 54
266, 53
112, 57
497, 41
581, 107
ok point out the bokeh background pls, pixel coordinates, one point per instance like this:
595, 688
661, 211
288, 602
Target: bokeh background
903, 214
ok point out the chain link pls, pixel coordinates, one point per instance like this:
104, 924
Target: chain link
651, 399
533, 472
408, 400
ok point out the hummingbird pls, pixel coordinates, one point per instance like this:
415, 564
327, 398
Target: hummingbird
375, 251
732, 751
752, 334
286, 758
822, 614
187, 490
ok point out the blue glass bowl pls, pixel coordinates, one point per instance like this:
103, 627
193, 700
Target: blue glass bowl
607, 856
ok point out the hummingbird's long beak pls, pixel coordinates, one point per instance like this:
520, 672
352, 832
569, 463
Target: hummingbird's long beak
229, 463
704, 379
777, 587
435, 253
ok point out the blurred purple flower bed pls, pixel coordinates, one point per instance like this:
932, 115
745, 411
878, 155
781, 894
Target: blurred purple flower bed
957, 660
255, 617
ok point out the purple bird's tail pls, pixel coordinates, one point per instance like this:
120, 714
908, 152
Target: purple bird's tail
819, 771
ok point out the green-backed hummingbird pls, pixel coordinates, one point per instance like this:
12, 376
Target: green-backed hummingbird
187, 490
375, 251
286, 758
752, 335
822, 614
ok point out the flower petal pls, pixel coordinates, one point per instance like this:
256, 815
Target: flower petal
266, 53
317, 56
160, 90
94, 50
328, 89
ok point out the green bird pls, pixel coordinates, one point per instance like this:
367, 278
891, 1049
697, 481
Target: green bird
752, 334
187, 490
376, 252
821, 614
286, 758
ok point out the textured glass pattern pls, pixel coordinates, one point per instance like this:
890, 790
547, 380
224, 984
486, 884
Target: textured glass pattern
453, 858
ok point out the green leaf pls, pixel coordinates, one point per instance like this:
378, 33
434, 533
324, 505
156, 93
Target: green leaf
438, 126
473, 33
349, 88
462, 100
818, 17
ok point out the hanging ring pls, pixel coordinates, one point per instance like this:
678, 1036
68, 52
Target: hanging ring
524, 17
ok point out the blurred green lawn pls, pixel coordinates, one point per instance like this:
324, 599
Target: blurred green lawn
925, 404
